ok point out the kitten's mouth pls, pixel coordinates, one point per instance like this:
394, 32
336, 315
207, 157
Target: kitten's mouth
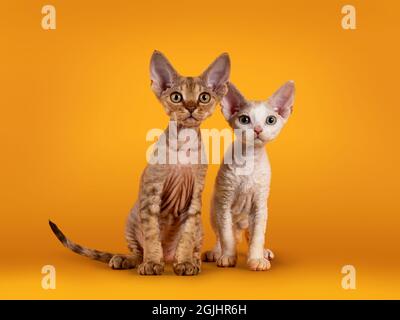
257, 136
191, 120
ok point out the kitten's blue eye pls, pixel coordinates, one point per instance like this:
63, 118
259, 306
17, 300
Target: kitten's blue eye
244, 119
271, 120
176, 97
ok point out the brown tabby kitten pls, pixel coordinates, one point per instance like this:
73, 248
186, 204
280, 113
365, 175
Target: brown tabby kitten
164, 225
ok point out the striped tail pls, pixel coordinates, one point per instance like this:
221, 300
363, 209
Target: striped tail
83, 251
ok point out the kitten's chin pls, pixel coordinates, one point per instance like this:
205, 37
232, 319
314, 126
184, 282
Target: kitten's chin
190, 122
259, 142
256, 143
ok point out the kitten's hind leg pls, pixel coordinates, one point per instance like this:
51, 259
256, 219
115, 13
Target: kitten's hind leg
214, 254
132, 234
128, 261
119, 262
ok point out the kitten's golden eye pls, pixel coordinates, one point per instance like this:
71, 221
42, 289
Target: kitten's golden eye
176, 97
204, 97
244, 119
271, 120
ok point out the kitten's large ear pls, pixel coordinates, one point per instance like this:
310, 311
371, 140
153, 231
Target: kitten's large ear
162, 73
282, 100
217, 74
232, 102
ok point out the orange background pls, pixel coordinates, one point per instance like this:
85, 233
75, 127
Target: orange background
76, 106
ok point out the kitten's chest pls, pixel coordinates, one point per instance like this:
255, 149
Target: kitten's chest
177, 191
255, 179
248, 189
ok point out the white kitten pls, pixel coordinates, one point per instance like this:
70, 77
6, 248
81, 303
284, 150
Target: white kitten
240, 201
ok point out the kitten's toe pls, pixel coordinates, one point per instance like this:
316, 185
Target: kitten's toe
210, 256
226, 261
186, 269
259, 264
268, 254
122, 262
151, 268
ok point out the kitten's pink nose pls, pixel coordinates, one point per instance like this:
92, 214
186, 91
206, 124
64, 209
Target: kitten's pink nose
258, 129
190, 106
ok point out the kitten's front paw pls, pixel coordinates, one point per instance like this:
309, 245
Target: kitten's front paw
151, 268
268, 254
186, 269
226, 261
122, 262
259, 264
210, 256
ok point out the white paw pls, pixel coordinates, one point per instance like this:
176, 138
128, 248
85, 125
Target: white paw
259, 264
226, 261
